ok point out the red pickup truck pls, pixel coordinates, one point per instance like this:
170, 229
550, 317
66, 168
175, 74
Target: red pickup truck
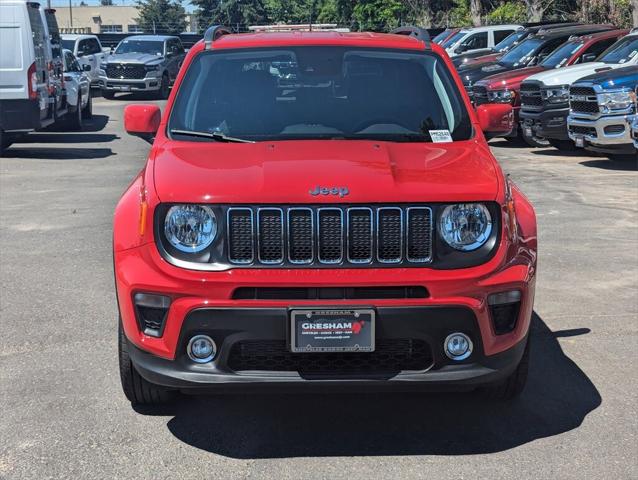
321, 209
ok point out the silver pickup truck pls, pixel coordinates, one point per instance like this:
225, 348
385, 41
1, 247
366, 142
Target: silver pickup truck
142, 63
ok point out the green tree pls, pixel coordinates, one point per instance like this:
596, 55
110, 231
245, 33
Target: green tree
378, 15
161, 16
238, 14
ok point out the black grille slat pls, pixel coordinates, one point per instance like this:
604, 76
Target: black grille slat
419, 235
531, 96
588, 106
391, 356
330, 235
360, 235
271, 235
389, 235
300, 235
583, 130
240, 235
125, 71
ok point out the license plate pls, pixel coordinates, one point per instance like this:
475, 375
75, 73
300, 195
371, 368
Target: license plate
332, 330
580, 141
528, 131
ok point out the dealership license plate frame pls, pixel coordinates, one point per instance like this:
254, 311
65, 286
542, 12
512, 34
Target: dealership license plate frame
580, 141
335, 342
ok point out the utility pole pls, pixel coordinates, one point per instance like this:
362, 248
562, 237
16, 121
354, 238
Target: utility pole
70, 12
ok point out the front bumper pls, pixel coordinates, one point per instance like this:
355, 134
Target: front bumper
546, 124
148, 84
611, 133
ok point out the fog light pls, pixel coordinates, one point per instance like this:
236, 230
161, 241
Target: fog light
458, 346
504, 297
201, 349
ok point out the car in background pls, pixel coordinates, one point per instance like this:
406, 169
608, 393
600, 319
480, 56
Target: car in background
477, 38
56, 78
552, 88
506, 87
529, 52
31, 96
142, 63
444, 35
634, 132
78, 87
88, 50
603, 109
492, 54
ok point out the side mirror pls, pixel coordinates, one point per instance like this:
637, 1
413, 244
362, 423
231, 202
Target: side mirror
589, 57
86, 68
142, 121
495, 118
460, 49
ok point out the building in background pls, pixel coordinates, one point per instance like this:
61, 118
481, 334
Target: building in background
104, 19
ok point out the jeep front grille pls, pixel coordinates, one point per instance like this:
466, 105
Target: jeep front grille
125, 71
583, 100
338, 235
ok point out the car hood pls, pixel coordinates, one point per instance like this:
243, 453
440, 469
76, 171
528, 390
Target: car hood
134, 58
568, 75
285, 172
622, 76
471, 74
511, 79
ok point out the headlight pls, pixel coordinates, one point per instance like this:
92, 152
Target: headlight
190, 228
465, 226
501, 96
555, 95
618, 100
151, 68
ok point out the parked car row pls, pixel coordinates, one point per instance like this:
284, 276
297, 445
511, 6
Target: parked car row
569, 85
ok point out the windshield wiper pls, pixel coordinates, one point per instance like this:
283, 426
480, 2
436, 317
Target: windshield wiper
217, 136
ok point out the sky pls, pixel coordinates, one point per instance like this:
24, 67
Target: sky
65, 3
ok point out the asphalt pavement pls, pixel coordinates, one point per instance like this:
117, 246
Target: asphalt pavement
64, 415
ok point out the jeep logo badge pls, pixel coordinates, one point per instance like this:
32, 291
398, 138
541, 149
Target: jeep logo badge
319, 190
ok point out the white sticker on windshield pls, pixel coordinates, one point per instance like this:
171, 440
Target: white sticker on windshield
440, 136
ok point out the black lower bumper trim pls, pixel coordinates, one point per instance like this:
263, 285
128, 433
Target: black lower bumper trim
547, 124
230, 327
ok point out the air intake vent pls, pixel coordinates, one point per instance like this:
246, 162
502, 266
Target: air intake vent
330, 235
271, 235
390, 240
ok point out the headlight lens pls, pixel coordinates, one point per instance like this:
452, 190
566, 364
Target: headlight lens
501, 96
152, 68
556, 95
618, 100
190, 228
465, 226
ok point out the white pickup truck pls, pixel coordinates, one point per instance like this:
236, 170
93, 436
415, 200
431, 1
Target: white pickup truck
88, 50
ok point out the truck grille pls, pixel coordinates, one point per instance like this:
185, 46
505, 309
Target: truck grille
531, 97
479, 95
391, 356
127, 71
583, 100
329, 235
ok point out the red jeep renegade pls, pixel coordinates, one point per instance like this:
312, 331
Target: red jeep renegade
321, 209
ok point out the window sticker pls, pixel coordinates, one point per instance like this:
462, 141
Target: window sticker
440, 136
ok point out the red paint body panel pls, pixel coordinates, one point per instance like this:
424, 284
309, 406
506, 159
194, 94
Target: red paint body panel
283, 172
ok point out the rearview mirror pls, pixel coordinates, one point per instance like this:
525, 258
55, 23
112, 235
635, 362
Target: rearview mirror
589, 57
495, 118
142, 121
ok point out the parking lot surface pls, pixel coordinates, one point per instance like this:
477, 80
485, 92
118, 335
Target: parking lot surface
64, 415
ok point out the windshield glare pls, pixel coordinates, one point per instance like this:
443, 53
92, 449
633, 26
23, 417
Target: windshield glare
140, 46
562, 54
320, 93
68, 44
508, 41
522, 52
622, 51
453, 39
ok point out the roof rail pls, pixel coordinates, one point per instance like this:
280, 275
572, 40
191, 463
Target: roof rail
213, 33
418, 32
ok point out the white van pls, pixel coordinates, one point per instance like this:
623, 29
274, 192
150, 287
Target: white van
478, 38
30, 99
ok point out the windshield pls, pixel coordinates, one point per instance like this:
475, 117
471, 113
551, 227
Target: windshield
522, 52
68, 44
140, 46
562, 54
320, 93
622, 51
508, 41
453, 39
441, 36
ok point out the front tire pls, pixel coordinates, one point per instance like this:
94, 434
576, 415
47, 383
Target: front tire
164, 90
5, 141
87, 112
138, 391
512, 386
75, 120
563, 145
109, 95
534, 141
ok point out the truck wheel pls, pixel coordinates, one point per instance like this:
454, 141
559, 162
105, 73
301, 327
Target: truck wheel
74, 118
163, 92
108, 94
563, 145
512, 386
4, 142
534, 141
138, 390
87, 112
